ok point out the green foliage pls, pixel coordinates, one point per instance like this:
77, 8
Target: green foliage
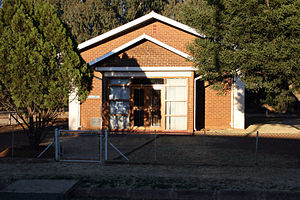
86, 19
137, 8
39, 64
90, 18
260, 43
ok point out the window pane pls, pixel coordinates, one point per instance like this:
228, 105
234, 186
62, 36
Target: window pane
119, 107
138, 118
155, 97
155, 118
118, 92
176, 123
119, 122
176, 108
138, 97
119, 81
176, 81
176, 93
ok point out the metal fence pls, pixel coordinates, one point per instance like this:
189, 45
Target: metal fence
7, 117
78, 146
276, 150
215, 149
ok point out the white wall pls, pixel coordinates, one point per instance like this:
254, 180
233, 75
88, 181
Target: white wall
238, 104
74, 112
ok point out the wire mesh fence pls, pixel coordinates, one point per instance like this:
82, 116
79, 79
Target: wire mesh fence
276, 150
79, 146
216, 149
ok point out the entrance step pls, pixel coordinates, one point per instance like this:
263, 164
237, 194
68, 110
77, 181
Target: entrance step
37, 189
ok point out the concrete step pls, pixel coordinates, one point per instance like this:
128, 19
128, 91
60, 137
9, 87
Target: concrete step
37, 189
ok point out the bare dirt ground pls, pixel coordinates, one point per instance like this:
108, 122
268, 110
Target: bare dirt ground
154, 176
219, 163
14, 135
265, 126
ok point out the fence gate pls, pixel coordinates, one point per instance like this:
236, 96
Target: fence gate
78, 145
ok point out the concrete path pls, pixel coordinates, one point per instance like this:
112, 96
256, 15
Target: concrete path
267, 127
37, 189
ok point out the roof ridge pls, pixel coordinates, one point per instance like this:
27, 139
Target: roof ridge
135, 22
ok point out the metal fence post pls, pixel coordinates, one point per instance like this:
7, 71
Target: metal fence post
12, 137
101, 146
56, 144
106, 143
203, 147
256, 147
155, 146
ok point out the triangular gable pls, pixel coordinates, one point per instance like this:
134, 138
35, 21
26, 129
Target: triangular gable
138, 39
136, 22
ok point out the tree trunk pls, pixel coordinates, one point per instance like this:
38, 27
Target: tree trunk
33, 134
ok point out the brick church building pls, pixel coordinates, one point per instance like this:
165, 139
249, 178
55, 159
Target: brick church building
144, 81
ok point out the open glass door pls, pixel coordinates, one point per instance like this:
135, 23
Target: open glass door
155, 107
146, 109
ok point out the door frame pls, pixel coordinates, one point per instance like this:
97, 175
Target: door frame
147, 107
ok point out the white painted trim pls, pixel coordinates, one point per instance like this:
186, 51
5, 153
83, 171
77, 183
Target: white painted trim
151, 15
143, 69
74, 111
79, 115
148, 74
232, 105
136, 40
93, 97
238, 104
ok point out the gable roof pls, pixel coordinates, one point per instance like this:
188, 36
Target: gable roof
151, 15
136, 40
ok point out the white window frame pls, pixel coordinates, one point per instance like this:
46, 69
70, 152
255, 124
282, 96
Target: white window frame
185, 99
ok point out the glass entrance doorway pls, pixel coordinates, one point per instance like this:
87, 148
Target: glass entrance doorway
152, 103
146, 108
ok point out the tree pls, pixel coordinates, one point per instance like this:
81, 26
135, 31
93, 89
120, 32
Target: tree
39, 65
90, 18
257, 40
137, 8
86, 19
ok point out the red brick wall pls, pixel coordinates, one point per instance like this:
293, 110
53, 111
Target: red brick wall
91, 108
146, 54
217, 109
171, 36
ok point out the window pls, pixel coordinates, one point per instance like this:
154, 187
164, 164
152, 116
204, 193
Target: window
119, 122
176, 104
176, 123
118, 92
119, 81
119, 107
155, 118
119, 103
155, 97
155, 103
